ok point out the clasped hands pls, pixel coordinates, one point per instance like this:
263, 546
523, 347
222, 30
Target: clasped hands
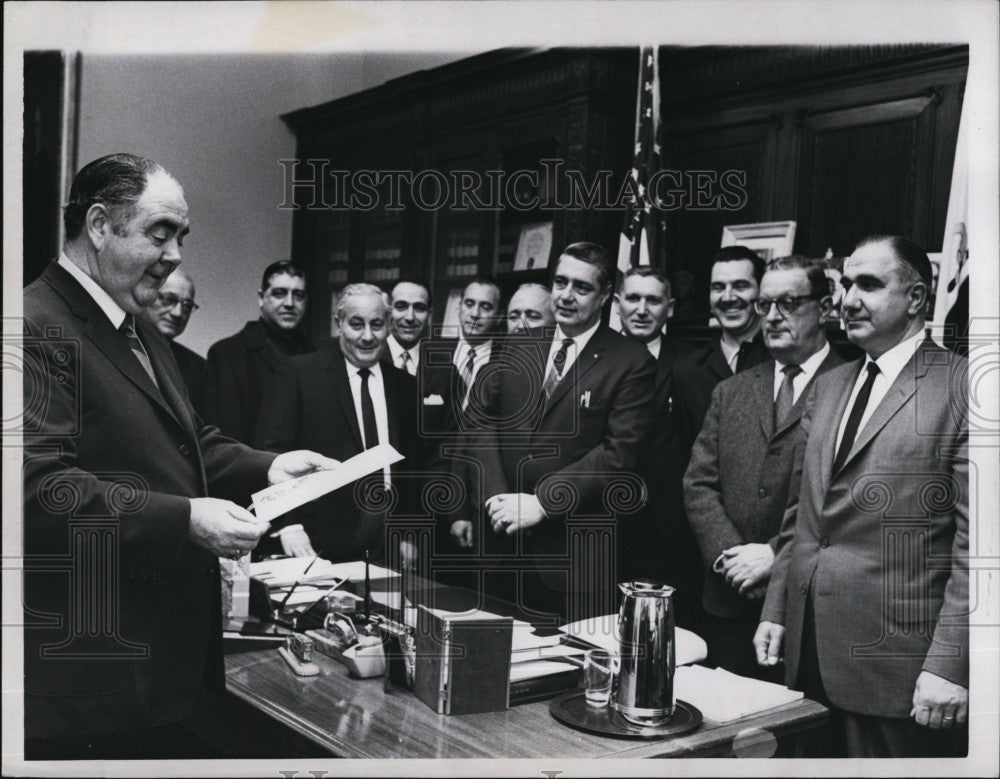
228, 530
746, 568
513, 512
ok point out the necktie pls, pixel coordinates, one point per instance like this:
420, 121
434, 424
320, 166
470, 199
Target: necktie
368, 410
128, 329
854, 420
786, 395
558, 365
406, 362
466, 373
743, 357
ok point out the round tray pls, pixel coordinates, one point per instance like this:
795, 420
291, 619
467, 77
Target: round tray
572, 709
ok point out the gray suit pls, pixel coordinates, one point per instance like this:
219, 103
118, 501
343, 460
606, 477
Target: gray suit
880, 547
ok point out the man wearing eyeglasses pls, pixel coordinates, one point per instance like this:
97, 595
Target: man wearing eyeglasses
737, 483
169, 314
239, 367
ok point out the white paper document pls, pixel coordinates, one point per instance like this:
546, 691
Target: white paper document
723, 696
288, 570
281, 498
603, 632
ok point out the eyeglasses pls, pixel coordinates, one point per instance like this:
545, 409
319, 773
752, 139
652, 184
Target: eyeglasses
786, 306
169, 300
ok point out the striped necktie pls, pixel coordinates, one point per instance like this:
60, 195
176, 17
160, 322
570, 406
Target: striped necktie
128, 330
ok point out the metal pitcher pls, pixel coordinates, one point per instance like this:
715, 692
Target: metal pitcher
642, 690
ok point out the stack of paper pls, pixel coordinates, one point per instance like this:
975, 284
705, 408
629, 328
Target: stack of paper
603, 632
724, 696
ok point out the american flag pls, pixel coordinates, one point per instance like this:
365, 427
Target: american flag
644, 228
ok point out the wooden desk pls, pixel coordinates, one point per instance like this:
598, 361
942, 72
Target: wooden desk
354, 718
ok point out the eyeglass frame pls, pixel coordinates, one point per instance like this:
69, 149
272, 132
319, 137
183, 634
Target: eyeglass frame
783, 304
187, 304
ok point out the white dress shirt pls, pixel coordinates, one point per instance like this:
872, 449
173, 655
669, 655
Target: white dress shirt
112, 310
578, 345
809, 368
376, 388
396, 351
461, 357
654, 346
890, 365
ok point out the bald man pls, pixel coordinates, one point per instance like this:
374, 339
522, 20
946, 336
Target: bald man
169, 314
530, 307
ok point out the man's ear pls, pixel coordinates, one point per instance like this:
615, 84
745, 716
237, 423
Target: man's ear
670, 308
918, 299
260, 298
97, 223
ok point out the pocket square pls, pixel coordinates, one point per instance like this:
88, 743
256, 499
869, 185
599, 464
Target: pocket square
433, 400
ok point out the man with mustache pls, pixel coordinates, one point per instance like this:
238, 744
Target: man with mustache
240, 366
652, 542
869, 592
734, 286
341, 401
737, 484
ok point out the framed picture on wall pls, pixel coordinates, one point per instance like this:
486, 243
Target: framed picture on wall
534, 247
768, 239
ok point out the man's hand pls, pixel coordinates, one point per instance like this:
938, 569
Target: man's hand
295, 542
767, 642
747, 566
291, 465
512, 512
461, 530
938, 703
223, 528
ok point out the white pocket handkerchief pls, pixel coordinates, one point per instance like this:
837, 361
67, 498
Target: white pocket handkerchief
433, 400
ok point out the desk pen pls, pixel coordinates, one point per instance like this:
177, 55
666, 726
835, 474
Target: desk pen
297, 583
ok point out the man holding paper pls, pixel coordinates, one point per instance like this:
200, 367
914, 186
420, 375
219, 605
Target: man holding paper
342, 401
121, 539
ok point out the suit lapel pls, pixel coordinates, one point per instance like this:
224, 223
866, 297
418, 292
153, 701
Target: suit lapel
763, 395
716, 361
902, 390
158, 350
342, 388
664, 363
586, 360
831, 421
393, 403
831, 361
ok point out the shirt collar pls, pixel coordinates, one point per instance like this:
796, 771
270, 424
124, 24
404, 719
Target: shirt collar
580, 341
111, 310
484, 348
893, 361
352, 369
811, 364
396, 348
654, 346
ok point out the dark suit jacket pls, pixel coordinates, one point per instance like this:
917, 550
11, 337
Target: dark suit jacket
694, 380
575, 450
308, 405
882, 543
737, 484
192, 366
450, 435
238, 369
112, 462
648, 541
